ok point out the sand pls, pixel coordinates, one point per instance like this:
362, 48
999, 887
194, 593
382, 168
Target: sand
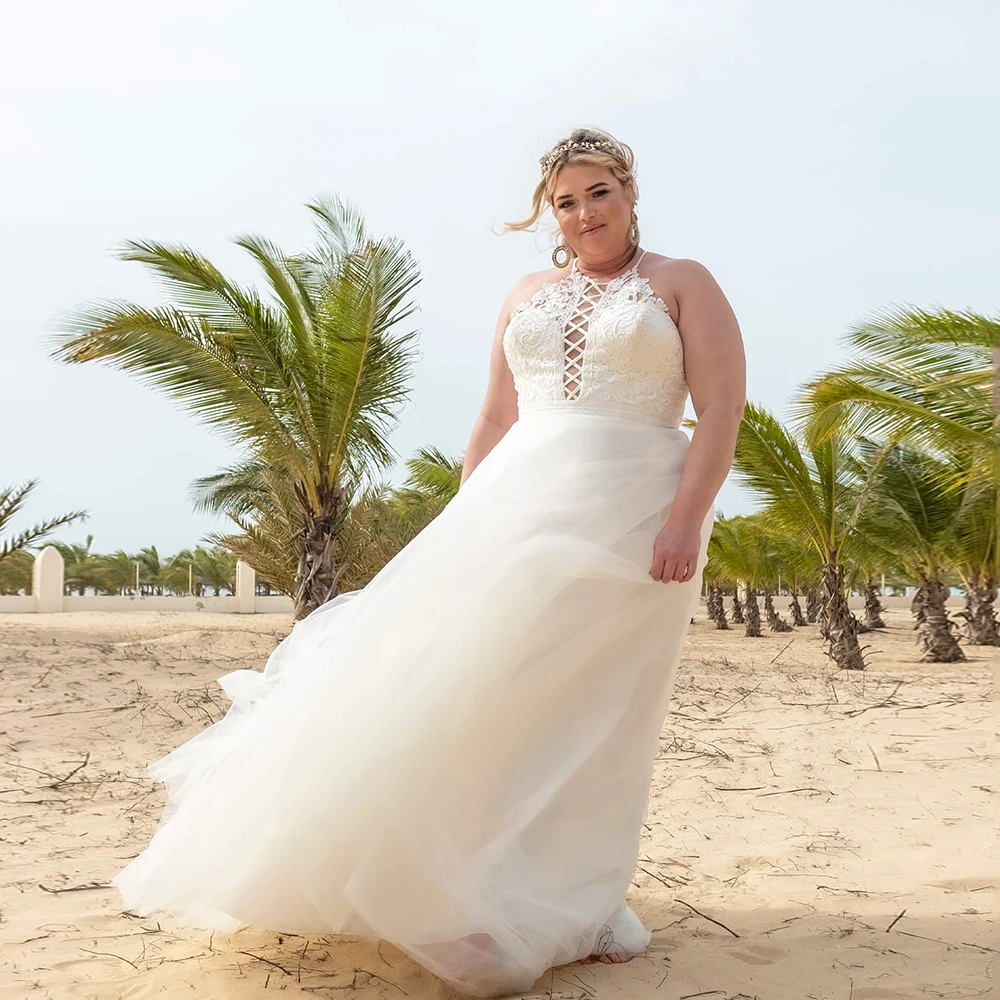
811, 834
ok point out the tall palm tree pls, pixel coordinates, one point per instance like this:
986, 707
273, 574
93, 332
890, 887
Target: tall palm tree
814, 496
12, 500
308, 380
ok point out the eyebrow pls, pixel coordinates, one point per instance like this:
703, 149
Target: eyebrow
559, 197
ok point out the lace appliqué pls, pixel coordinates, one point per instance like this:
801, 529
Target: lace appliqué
611, 348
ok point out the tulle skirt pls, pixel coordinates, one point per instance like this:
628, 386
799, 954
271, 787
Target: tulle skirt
457, 758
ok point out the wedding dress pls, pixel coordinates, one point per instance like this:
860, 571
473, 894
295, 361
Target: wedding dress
457, 758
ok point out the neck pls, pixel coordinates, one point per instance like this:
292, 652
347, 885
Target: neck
603, 268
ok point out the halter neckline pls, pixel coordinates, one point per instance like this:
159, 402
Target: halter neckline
627, 270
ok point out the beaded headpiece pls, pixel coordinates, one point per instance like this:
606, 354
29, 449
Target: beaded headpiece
567, 144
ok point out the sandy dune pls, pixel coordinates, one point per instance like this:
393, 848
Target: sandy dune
810, 835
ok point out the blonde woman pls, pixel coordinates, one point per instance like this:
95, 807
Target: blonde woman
457, 759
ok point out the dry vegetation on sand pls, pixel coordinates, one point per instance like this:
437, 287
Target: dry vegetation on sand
811, 834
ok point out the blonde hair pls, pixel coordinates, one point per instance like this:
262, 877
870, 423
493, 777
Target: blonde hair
605, 151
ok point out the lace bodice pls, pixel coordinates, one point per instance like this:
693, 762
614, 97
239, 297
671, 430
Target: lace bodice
598, 347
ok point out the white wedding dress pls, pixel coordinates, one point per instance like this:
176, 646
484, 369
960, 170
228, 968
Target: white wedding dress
457, 758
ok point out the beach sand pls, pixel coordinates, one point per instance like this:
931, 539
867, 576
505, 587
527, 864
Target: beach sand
811, 834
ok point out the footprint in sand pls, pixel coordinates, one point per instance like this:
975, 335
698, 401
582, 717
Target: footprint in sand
759, 954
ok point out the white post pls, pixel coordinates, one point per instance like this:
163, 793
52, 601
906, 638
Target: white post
47, 581
246, 588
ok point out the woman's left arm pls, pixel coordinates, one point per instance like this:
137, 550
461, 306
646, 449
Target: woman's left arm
715, 371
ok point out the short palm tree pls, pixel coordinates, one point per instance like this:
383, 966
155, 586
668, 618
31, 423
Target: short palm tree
916, 516
119, 573
931, 380
374, 523
308, 380
973, 555
813, 496
81, 567
743, 553
16, 572
216, 568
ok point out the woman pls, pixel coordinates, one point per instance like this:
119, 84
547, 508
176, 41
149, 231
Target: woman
457, 759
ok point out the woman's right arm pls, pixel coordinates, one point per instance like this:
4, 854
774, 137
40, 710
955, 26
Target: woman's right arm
499, 409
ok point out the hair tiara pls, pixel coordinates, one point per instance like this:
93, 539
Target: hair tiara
568, 144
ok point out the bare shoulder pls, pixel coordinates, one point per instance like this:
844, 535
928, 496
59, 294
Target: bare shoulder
678, 272
679, 281
527, 285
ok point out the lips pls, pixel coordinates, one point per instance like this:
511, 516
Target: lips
592, 229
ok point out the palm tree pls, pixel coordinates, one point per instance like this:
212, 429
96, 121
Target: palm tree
177, 574
16, 572
151, 569
12, 499
815, 497
973, 557
118, 573
916, 516
308, 381
433, 475
215, 568
931, 380
374, 523
743, 553
717, 581
81, 566
799, 571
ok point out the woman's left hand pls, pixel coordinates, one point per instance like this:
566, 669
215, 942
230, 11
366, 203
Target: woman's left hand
675, 552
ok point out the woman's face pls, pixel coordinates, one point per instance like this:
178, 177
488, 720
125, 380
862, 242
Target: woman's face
593, 210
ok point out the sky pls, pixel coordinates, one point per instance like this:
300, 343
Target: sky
822, 159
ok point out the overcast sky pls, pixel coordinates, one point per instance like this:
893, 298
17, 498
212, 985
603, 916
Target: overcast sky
823, 159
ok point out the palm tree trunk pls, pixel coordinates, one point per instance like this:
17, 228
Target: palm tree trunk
933, 624
738, 618
836, 622
813, 605
796, 610
316, 579
775, 622
753, 614
981, 628
716, 609
873, 607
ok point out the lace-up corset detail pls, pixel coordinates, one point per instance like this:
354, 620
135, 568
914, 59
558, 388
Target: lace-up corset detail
608, 347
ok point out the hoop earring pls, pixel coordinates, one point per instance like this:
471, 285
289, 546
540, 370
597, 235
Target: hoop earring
633, 230
562, 248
